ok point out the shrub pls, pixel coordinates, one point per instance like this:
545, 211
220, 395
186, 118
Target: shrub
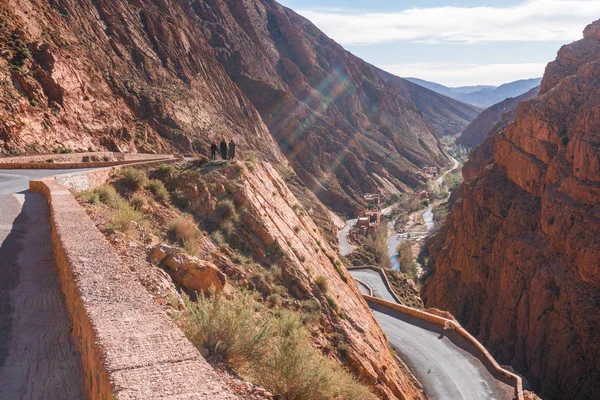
272, 350
124, 217
138, 203
166, 169
294, 370
322, 283
333, 304
134, 178
218, 238
108, 195
551, 220
92, 197
62, 150
157, 188
182, 230
564, 140
85, 159
34, 102
225, 210
228, 327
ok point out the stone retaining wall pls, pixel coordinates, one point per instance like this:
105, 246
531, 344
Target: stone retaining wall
77, 157
130, 348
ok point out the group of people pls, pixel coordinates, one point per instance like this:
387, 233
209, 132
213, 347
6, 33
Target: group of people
223, 150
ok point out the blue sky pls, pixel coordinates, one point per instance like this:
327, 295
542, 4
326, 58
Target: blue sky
454, 43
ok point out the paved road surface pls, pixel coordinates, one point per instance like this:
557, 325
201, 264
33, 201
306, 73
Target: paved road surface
373, 279
37, 357
443, 361
345, 247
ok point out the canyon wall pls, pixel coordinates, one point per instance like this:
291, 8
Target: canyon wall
518, 260
116, 75
500, 113
345, 130
160, 75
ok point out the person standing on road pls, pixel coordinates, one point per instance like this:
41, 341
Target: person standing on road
223, 149
231, 150
213, 152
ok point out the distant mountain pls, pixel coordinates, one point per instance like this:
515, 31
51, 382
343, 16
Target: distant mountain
446, 115
503, 112
481, 95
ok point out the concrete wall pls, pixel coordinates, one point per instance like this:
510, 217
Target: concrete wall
72, 163
130, 348
77, 157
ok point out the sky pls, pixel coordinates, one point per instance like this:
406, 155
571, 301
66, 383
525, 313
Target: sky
455, 43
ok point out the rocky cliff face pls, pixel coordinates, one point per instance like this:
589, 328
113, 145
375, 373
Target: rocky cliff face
518, 260
116, 75
501, 113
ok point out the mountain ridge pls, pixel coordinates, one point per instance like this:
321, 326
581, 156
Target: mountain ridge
481, 95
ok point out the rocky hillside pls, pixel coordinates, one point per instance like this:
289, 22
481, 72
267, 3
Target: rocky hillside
252, 235
164, 74
446, 115
345, 130
117, 76
503, 112
517, 261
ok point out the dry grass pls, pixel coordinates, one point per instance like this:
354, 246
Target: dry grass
273, 351
182, 231
134, 178
157, 188
322, 283
125, 217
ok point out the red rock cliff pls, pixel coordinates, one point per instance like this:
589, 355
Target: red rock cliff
518, 261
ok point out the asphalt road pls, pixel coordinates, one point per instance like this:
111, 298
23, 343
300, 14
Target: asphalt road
373, 279
38, 359
443, 361
345, 247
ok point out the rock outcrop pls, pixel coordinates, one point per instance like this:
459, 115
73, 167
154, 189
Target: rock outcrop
518, 261
194, 274
501, 113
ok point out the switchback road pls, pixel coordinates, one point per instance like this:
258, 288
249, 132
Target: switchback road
445, 363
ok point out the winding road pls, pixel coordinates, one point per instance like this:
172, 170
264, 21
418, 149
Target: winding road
445, 363
38, 359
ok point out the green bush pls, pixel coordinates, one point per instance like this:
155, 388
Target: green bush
228, 327
333, 304
166, 169
138, 203
108, 195
157, 188
134, 178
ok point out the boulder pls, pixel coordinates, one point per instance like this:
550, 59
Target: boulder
190, 272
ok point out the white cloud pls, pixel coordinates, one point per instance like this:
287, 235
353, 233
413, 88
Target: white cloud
533, 20
461, 74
